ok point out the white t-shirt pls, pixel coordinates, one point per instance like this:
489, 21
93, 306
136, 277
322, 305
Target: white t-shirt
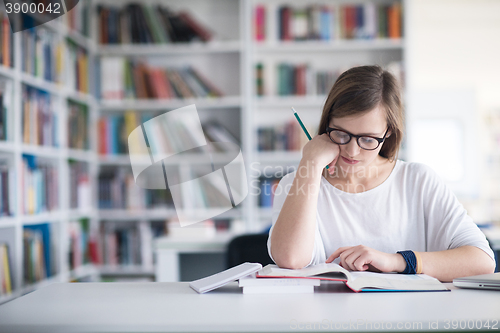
412, 209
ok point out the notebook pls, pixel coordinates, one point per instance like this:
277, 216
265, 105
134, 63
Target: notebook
218, 280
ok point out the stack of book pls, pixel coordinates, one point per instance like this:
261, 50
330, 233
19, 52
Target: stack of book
79, 185
125, 79
78, 67
38, 253
39, 121
78, 126
138, 23
39, 192
6, 38
346, 21
5, 270
287, 137
252, 285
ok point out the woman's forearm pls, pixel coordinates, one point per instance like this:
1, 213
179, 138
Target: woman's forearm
450, 264
292, 239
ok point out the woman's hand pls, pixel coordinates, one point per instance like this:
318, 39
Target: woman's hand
363, 258
322, 151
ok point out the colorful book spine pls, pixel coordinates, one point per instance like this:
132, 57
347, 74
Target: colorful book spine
78, 128
287, 137
79, 185
79, 243
148, 24
39, 120
6, 176
78, 69
260, 22
328, 22
39, 52
6, 269
6, 41
39, 186
125, 79
39, 263
117, 190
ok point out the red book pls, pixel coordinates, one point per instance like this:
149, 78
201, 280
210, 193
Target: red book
102, 136
286, 21
260, 23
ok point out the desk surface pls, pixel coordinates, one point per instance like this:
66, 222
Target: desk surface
167, 307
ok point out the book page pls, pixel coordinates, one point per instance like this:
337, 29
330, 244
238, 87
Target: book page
393, 281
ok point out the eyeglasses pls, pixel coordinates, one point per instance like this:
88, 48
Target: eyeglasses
364, 142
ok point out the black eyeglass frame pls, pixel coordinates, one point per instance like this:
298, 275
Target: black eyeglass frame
379, 140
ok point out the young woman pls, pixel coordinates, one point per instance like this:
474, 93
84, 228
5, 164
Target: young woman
370, 211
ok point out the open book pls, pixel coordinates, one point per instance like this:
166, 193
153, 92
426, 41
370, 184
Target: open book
357, 281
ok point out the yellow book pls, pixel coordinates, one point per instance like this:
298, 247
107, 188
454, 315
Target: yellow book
6, 269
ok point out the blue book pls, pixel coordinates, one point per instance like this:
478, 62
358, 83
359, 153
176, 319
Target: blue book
265, 193
325, 24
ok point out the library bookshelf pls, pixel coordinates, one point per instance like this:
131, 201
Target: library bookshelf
44, 90
250, 52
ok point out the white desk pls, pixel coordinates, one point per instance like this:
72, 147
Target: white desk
170, 307
168, 249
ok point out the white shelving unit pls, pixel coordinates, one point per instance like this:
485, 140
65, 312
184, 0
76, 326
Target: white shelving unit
12, 150
230, 59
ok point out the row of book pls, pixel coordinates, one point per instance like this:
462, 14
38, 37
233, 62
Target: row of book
83, 245
7, 180
129, 244
38, 252
266, 191
78, 127
6, 39
286, 137
79, 185
41, 52
39, 119
333, 22
6, 281
77, 71
118, 190
122, 78
39, 181
147, 24
77, 19
297, 80
114, 130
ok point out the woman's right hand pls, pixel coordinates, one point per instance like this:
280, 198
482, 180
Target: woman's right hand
322, 152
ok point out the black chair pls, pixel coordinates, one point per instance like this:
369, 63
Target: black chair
248, 248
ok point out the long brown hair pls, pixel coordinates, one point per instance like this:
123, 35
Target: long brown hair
361, 89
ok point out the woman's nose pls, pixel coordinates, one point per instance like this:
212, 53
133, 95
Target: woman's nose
352, 148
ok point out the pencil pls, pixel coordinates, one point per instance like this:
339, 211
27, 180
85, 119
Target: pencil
302, 125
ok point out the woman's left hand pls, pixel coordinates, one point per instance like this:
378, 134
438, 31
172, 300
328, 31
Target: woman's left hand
363, 258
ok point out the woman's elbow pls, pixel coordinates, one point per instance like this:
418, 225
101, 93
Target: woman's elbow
288, 261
